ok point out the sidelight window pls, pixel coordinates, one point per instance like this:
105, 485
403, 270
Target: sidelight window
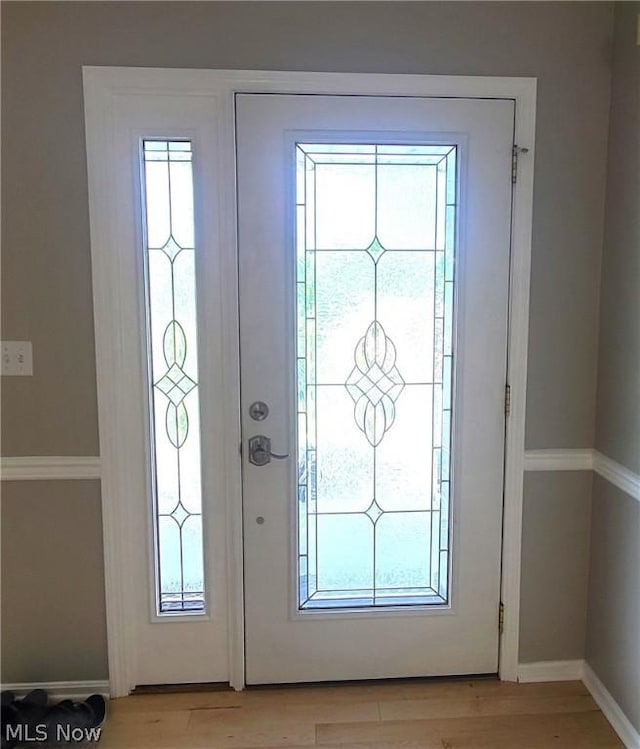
169, 251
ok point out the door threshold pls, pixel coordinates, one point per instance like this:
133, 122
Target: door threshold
210, 686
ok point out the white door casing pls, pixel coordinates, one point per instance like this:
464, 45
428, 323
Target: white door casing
202, 102
283, 644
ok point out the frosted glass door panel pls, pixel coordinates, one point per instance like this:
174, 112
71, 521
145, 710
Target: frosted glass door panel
375, 232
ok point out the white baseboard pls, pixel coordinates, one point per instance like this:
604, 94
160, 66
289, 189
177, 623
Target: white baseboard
629, 736
550, 671
58, 690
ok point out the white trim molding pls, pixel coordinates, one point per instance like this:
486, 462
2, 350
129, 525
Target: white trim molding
559, 460
50, 467
584, 459
617, 474
524, 92
550, 671
58, 690
628, 734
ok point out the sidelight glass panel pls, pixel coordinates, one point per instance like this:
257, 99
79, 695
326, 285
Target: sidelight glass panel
375, 242
173, 375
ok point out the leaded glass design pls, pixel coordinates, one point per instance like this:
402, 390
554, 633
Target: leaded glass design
173, 375
375, 244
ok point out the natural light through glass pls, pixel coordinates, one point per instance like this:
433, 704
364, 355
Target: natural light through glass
173, 375
375, 234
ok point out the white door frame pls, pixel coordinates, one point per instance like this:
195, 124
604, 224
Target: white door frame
105, 90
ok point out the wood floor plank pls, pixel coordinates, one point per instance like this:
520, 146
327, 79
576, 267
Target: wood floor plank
561, 731
146, 736
170, 720
226, 735
413, 689
241, 734
345, 711
469, 707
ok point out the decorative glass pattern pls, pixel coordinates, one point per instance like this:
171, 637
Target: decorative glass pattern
375, 383
173, 374
375, 240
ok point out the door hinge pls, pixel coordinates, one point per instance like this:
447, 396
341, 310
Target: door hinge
501, 618
507, 400
515, 152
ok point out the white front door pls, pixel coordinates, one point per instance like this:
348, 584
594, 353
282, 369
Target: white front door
374, 241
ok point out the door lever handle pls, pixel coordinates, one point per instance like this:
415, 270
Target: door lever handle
260, 451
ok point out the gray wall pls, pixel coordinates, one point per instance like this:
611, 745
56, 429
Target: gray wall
555, 564
46, 257
618, 403
46, 231
613, 625
53, 611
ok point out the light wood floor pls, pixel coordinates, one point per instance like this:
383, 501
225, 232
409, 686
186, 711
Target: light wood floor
402, 715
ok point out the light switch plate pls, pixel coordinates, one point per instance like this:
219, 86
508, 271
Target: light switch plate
17, 358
